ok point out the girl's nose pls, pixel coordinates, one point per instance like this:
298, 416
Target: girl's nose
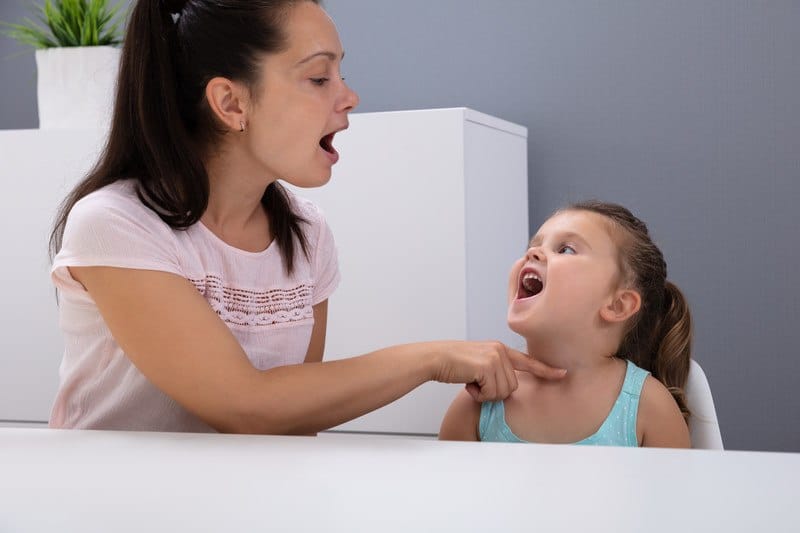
535, 253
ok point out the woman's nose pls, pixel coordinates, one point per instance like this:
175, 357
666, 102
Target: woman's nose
350, 98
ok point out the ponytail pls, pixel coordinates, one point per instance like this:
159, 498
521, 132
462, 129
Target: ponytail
162, 124
673, 346
171, 174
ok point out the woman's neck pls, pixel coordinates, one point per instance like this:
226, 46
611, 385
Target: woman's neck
235, 191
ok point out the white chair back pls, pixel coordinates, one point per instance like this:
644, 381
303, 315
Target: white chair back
703, 425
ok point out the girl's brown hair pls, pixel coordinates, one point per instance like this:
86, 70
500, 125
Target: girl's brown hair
162, 124
659, 336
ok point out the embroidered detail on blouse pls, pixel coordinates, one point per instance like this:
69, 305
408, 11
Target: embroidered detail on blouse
243, 307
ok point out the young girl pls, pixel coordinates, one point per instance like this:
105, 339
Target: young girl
591, 295
192, 286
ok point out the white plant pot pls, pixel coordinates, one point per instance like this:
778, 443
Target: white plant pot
76, 86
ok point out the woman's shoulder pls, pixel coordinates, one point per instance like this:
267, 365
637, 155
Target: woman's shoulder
305, 208
119, 195
116, 205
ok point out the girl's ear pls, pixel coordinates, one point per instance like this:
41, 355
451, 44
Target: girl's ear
228, 102
624, 304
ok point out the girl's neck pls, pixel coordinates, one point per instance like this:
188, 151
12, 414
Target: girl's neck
580, 359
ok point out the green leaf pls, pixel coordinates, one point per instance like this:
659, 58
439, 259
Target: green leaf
69, 23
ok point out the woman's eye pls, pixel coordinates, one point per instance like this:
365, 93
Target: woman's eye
319, 81
567, 249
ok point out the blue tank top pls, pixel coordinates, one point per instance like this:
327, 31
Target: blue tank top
618, 429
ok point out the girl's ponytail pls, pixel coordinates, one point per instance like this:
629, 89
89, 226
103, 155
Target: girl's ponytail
673, 345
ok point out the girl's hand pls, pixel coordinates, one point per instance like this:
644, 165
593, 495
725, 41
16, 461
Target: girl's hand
487, 368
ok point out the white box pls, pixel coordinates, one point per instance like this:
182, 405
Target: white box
429, 209
38, 168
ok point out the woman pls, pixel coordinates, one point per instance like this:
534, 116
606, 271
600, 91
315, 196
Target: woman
193, 287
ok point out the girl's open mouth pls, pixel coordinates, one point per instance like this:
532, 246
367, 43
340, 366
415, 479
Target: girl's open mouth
530, 284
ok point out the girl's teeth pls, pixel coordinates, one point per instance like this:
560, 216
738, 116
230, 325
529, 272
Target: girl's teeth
532, 283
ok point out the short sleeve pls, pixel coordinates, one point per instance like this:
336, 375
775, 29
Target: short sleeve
326, 263
106, 229
322, 248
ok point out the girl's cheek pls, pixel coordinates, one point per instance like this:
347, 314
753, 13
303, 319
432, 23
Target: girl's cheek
514, 274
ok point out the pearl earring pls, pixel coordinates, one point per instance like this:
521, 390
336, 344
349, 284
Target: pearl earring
241, 126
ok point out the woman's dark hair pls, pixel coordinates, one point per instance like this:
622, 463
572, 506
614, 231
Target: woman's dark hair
659, 336
162, 124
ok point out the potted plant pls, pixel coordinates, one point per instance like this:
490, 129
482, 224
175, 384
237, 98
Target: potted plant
77, 59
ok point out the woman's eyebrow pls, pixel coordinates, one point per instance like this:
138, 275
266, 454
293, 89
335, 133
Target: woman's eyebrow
324, 53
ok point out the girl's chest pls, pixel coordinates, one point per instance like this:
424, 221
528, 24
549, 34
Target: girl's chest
556, 417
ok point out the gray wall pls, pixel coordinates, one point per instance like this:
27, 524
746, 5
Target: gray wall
686, 111
17, 74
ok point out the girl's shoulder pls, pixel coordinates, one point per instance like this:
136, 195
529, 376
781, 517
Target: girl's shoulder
655, 398
526, 392
660, 422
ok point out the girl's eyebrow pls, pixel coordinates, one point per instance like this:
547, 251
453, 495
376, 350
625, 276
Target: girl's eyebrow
569, 235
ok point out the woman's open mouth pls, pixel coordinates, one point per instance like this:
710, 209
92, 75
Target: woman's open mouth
327, 145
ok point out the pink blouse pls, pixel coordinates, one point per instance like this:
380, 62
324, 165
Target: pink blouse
269, 312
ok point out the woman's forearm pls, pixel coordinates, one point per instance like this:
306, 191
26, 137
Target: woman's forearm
306, 398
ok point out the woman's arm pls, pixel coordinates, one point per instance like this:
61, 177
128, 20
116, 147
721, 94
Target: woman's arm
659, 419
177, 341
461, 420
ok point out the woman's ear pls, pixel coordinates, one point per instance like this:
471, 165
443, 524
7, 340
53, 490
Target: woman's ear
624, 304
228, 102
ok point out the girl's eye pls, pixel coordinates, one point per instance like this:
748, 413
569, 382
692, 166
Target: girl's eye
567, 249
319, 81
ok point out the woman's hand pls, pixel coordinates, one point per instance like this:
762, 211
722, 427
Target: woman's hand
487, 368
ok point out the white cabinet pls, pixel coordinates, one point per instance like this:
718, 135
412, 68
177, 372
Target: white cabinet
429, 209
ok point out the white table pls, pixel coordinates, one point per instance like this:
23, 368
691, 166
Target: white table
93, 481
